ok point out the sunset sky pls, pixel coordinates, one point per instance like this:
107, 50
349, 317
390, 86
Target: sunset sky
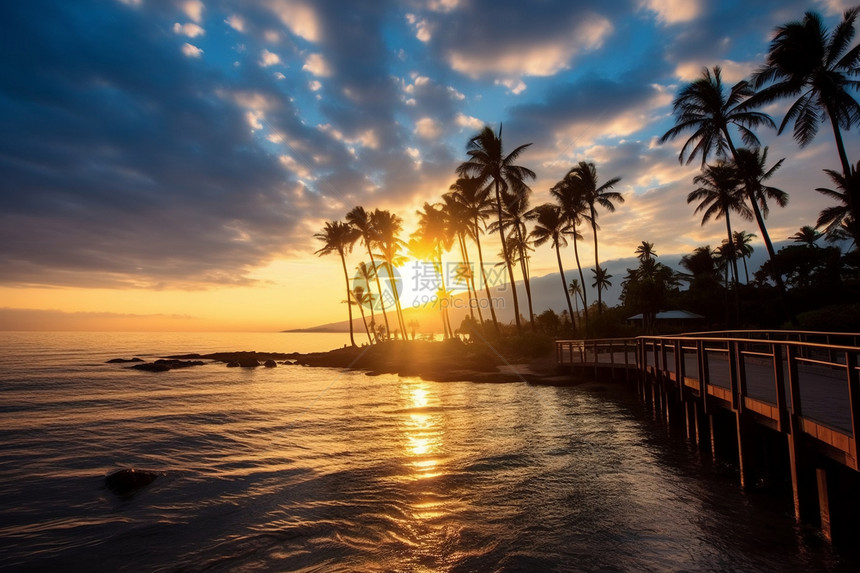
164, 164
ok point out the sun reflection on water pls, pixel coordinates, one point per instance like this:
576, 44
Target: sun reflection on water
422, 430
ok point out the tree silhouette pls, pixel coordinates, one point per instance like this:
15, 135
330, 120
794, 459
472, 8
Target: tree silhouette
551, 226
338, 237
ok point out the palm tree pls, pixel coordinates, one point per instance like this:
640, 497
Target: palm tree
744, 248
489, 164
362, 222
645, 251
585, 177
806, 235
366, 274
513, 220
575, 290
338, 237
362, 298
601, 281
458, 222
839, 217
388, 227
806, 60
720, 194
571, 198
752, 168
429, 242
704, 108
551, 225
475, 199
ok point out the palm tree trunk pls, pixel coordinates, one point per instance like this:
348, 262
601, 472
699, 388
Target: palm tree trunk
364, 320
596, 262
465, 262
564, 285
348, 298
734, 261
379, 289
525, 270
851, 193
471, 278
391, 277
507, 257
582, 282
484, 277
746, 271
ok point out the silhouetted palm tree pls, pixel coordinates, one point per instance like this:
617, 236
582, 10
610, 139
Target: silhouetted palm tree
820, 67
744, 248
645, 251
704, 108
388, 227
551, 225
585, 177
338, 237
806, 235
752, 168
489, 164
601, 281
366, 273
429, 242
570, 196
361, 298
575, 290
513, 220
458, 222
719, 194
361, 221
476, 201
839, 218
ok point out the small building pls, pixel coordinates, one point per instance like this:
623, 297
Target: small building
672, 320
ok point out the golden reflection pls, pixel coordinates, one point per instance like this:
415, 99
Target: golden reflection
422, 430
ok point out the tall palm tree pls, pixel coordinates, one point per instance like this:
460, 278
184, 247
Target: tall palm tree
338, 237
744, 248
489, 164
719, 193
388, 227
458, 222
429, 242
361, 221
585, 177
513, 219
704, 108
839, 217
645, 251
476, 201
571, 198
818, 67
551, 225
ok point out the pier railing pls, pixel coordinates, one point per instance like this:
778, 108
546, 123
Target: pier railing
805, 385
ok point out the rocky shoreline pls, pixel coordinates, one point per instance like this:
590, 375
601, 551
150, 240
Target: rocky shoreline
430, 360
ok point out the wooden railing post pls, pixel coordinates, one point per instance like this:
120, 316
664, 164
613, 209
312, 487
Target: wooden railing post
851, 364
779, 381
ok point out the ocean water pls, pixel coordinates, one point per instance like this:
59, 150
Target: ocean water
312, 469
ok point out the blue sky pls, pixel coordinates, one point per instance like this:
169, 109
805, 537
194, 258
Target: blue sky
161, 145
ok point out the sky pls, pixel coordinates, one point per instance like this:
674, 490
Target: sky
164, 164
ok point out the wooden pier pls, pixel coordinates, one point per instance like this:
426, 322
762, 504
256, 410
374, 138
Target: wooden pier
783, 404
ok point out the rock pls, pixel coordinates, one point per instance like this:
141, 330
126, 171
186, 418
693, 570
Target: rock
233, 364
270, 364
163, 365
127, 481
123, 360
248, 362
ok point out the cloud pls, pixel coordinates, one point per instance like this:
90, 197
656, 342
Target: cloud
299, 17
191, 50
193, 9
236, 22
189, 29
674, 11
427, 128
268, 58
316, 64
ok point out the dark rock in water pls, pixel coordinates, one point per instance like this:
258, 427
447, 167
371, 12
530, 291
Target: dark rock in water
233, 364
248, 362
126, 482
270, 364
123, 360
165, 365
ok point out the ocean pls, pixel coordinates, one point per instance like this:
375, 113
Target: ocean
316, 469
